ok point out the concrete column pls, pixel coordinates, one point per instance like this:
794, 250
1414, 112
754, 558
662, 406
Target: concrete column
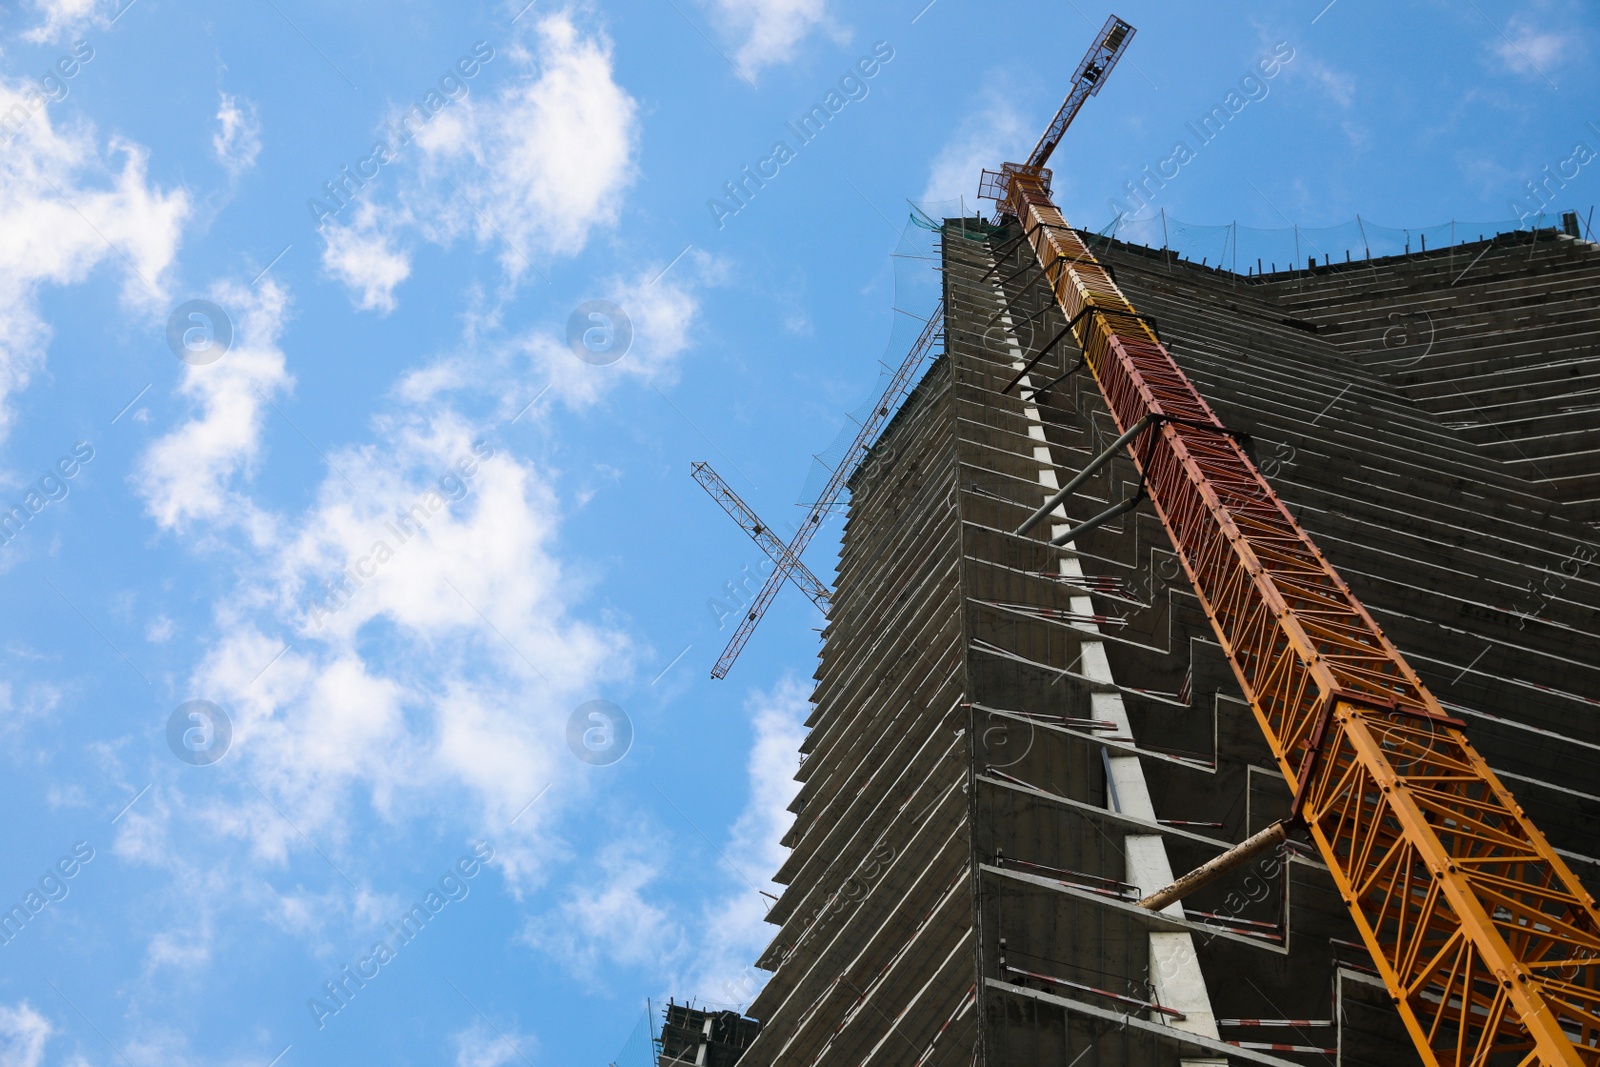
1175, 975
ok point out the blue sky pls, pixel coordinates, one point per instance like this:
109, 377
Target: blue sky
404, 349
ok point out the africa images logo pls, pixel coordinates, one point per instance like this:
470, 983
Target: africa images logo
343, 188
52, 888
853, 86
599, 733
452, 885
49, 488
199, 732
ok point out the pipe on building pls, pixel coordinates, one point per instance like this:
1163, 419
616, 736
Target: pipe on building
1084, 475
1210, 871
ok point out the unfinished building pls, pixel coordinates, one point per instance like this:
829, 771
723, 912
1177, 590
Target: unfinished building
703, 1037
1014, 742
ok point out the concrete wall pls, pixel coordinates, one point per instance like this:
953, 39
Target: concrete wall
1012, 742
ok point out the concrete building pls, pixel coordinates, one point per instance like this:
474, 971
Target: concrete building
702, 1037
1012, 743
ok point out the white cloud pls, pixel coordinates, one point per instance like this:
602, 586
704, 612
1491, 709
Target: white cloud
480, 1046
660, 312
778, 719
437, 695
237, 141
68, 209
1335, 84
479, 654
366, 260
1532, 50
440, 690
735, 928
188, 946
204, 886
606, 918
189, 473
553, 154
993, 134
609, 915
450, 669
35, 702
771, 30
23, 1033
63, 18
531, 171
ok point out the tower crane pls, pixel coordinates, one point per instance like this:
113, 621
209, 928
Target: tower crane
780, 554
1489, 945
1110, 43
1113, 40
899, 382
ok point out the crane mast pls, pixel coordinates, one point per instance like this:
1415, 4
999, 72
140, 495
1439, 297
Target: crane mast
1486, 940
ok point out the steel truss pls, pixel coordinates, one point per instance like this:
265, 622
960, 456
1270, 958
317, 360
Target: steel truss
898, 385
1486, 940
720, 491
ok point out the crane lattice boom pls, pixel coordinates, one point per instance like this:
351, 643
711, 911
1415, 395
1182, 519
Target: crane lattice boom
1485, 938
830, 494
1112, 41
780, 554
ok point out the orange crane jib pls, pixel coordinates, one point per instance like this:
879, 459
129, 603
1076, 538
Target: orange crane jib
1486, 940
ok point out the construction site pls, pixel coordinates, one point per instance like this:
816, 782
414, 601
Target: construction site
1207, 678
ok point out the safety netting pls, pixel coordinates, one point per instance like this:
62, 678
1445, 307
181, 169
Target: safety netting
1251, 250
1245, 250
917, 287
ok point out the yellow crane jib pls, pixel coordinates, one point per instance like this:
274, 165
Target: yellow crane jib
1486, 940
